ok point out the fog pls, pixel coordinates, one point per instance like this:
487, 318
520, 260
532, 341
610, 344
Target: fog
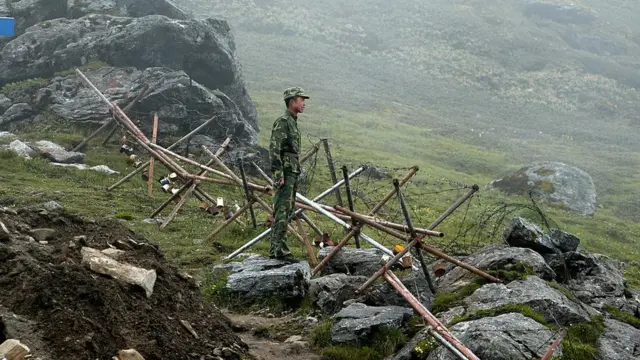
541, 80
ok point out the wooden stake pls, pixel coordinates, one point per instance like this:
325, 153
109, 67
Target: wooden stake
154, 139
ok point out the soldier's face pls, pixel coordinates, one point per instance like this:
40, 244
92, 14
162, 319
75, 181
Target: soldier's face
298, 104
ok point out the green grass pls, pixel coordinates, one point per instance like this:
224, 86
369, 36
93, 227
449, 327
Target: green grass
504, 309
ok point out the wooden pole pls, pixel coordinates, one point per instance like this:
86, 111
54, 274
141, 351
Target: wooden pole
247, 192
154, 139
312, 255
332, 170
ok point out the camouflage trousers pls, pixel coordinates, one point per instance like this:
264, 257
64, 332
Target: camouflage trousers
283, 205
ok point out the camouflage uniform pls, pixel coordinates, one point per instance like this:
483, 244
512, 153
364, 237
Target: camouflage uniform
284, 150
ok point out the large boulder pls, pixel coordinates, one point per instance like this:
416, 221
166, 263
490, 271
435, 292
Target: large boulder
358, 322
505, 337
331, 291
383, 294
619, 341
522, 233
352, 261
258, 278
30, 12
132, 8
551, 303
556, 182
595, 279
204, 49
181, 104
495, 257
57, 153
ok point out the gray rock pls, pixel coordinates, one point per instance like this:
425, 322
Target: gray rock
258, 278
619, 341
331, 291
594, 278
79, 8
204, 49
556, 182
191, 103
408, 351
6, 135
447, 317
15, 113
57, 153
495, 257
533, 292
132, 8
52, 206
383, 294
505, 337
31, 12
5, 103
562, 12
42, 234
352, 261
563, 240
358, 322
522, 233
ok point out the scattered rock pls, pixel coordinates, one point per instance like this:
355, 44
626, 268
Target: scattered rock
505, 337
357, 322
563, 240
52, 206
533, 292
5, 103
331, 291
13, 349
128, 355
15, 113
495, 257
258, 278
294, 338
352, 261
102, 264
556, 182
522, 233
619, 341
57, 153
408, 351
113, 253
21, 149
42, 234
6, 135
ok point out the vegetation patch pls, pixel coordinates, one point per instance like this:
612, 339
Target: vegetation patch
581, 340
384, 342
563, 290
517, 271
22, 91
622, 316
446, 300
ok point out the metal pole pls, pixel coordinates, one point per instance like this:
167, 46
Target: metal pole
432, 320
388, 265
247, 192
405, 212
332, 170
266, 232
347, 189
453, 207
173, 146
448, 258
555, 344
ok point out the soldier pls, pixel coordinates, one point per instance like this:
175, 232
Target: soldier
284, 151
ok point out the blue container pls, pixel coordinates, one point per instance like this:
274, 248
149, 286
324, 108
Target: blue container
7, 26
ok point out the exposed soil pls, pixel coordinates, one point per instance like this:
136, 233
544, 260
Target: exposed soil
83, 315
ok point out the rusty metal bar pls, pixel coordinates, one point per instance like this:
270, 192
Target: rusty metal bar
455, 206
412, 231
368, 221
555, 344
220, 151
474, 270
356, 229
435, 324
173, 146
311, 152
229, 221
312, 255
347, 189
296, 213
332, 169
247, 192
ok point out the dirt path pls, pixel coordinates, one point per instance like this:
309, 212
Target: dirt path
264, 336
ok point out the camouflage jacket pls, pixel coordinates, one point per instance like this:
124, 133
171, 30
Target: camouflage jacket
284, 147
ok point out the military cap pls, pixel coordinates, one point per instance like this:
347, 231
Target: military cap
294, 91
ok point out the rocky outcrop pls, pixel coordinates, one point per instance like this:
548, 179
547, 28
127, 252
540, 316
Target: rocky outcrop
352, 261
556, 182
505, 337
331, 291
619, 341
357, 322
554, 305
131, 8
259, 278
203, 49
495, 257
